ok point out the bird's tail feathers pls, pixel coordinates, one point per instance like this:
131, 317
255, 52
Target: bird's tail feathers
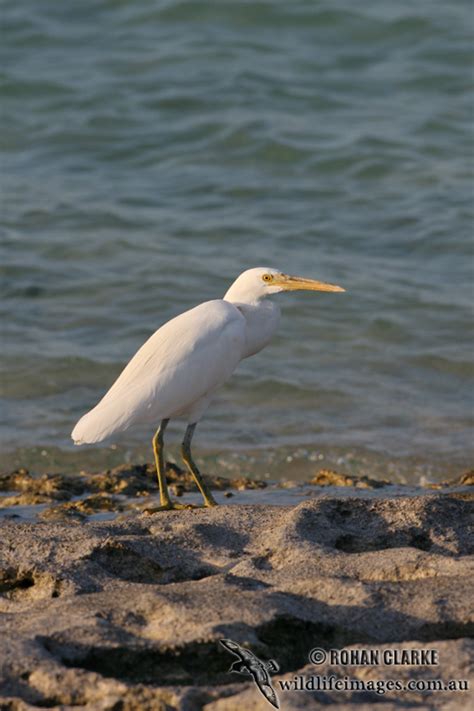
98, 424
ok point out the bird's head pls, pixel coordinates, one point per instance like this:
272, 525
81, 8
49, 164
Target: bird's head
238, 667
255, 284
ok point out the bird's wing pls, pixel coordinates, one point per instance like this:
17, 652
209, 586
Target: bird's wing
270, 694
245, 655
232, 647
185, 359
260, 673
249, 657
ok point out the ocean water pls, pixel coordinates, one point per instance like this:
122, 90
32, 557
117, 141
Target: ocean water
151, 151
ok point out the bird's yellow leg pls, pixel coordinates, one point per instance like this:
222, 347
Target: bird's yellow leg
165, 500
191, 465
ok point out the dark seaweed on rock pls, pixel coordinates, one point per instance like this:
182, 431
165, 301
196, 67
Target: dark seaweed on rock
85, 493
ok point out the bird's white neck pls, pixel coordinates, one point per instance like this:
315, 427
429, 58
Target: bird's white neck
262, 316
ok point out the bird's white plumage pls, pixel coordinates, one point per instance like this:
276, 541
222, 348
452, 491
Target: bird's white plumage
182, 363
178, 369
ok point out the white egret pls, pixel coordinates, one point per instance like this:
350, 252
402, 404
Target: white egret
179, 368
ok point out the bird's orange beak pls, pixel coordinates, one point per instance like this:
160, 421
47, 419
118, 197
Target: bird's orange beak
295, 283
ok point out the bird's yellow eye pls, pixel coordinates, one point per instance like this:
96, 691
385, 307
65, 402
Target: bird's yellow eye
267, 277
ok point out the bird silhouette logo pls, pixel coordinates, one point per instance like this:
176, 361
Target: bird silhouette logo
260, 671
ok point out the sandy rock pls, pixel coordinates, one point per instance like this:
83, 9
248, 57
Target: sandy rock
127, 614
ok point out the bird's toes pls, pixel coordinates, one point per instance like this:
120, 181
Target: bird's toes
172, 506
209, 502
158, 509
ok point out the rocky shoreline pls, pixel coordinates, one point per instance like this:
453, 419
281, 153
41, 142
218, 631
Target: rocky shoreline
104, 606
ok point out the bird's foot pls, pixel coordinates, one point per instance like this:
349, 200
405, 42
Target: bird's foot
170, 506
173, 506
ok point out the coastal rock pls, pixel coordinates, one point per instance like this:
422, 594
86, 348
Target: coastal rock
79, 495
127, 614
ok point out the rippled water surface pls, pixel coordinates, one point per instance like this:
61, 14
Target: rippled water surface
153, 150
